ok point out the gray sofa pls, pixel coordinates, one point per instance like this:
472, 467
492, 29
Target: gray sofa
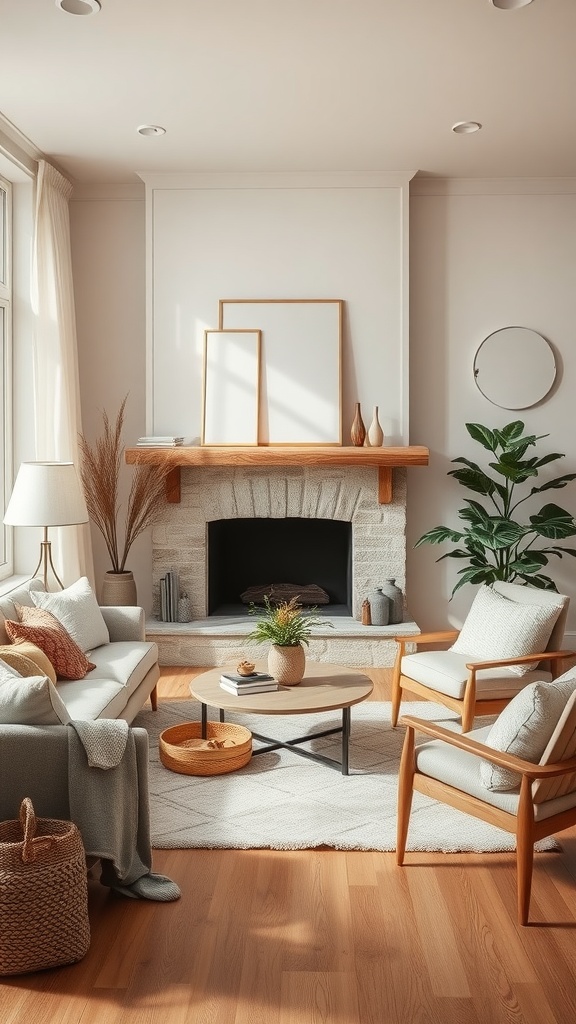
34, 758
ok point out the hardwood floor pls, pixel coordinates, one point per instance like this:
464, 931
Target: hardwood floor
320, 937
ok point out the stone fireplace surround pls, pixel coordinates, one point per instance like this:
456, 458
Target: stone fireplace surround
348, 493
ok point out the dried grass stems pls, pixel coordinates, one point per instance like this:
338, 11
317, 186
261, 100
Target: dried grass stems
100, 475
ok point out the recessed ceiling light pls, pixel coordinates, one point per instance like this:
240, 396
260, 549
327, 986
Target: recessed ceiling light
466, 127
151, 129
509, 5
79, 7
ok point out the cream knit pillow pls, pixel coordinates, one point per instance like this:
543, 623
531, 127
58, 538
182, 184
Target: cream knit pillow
496, 628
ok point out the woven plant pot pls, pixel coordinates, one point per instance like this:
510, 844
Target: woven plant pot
287, 664
226, 748
118, 588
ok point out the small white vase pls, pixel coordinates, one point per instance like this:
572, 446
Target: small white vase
118, 588
287, 664
375, 432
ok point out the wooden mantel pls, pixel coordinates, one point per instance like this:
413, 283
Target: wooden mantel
199, 456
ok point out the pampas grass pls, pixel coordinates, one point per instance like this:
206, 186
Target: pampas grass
100, 475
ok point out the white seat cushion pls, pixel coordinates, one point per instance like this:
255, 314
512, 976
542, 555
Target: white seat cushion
461, 770
105, 691
446, 672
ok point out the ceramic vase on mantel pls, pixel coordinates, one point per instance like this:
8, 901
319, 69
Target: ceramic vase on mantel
118, 588
375, 432
396, 598
287, 664
358, 430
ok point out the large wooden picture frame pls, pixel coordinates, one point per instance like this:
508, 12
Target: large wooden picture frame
231, 389
301, 383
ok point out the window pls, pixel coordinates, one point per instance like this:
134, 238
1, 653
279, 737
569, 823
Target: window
5, 369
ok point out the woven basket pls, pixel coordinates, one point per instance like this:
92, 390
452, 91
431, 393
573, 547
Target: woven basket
183, 750
43, 893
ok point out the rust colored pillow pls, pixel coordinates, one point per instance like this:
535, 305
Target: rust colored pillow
42, 628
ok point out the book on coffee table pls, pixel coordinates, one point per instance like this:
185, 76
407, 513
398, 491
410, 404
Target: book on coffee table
254, 677
240, 690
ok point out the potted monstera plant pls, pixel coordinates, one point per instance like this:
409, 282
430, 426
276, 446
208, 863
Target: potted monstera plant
495, 542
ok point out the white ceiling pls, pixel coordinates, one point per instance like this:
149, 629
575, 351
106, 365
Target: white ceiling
293, 85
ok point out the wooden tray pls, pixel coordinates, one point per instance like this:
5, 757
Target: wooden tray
182, 748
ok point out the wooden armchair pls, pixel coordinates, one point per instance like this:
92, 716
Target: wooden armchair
471, 684
447, 769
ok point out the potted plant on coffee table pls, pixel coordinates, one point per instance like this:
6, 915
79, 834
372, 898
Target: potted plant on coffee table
287, 627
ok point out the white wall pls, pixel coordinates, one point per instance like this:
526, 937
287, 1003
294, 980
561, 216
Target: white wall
217, 237
483, 255
108, 254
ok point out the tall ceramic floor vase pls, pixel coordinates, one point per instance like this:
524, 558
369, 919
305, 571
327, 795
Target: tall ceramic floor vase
375, 432
118, 588
287, 664
358, 430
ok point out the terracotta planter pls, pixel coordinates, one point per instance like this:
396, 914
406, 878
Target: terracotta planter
287, 664
118, 588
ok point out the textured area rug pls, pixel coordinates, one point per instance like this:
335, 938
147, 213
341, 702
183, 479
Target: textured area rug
281, 801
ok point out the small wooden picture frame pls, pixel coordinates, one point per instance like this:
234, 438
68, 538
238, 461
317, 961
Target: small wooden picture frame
231, 387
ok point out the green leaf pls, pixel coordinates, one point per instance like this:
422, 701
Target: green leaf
517, 474
530, 562
486, 575
438, 535
510, 433
475, 481
487, 438
547, 459
499, 533
553, 522
474, 513
541, 582
562, 551
556, 484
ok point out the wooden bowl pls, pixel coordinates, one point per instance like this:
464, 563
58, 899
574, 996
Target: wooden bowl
183, 750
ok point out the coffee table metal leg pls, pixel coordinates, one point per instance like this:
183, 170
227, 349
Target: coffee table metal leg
345, 739
204, 719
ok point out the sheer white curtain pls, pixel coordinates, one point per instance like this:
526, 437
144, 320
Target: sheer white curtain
56, 384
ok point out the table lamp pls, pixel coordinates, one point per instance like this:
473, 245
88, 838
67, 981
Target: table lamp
46, 494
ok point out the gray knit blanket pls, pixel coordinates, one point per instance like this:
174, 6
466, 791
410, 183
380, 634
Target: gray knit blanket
108, 794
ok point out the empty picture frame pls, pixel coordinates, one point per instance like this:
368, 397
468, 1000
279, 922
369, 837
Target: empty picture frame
230, 398
301, 382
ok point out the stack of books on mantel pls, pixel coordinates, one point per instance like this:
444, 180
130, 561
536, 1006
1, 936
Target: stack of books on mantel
257, 682
159, 441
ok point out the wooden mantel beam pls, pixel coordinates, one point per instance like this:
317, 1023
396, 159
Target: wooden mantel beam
385, 459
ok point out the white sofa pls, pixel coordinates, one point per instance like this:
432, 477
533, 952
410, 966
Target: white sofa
126, 670
34, 758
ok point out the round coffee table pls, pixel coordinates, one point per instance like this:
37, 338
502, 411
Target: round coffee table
324, 688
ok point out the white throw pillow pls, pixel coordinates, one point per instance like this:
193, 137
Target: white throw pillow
78, 611
30, 700
497, 628
524, 728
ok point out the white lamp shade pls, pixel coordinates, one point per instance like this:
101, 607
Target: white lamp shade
46, 494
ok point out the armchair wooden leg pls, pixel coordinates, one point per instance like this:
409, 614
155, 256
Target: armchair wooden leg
396, 688
524, 850
405, 791
469, 704
154, 699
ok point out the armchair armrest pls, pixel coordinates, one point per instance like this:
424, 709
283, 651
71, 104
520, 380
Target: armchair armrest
444, 636
127, 622
498, 757
524, 659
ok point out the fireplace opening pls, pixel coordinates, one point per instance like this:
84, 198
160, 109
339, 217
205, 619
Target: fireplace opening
244, 553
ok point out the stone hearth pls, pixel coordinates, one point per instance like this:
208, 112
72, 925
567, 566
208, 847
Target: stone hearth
346, 493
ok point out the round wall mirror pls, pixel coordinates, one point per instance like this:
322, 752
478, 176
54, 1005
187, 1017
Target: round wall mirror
515, 368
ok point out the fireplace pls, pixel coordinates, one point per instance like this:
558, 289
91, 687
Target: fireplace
244, 553
231, 522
